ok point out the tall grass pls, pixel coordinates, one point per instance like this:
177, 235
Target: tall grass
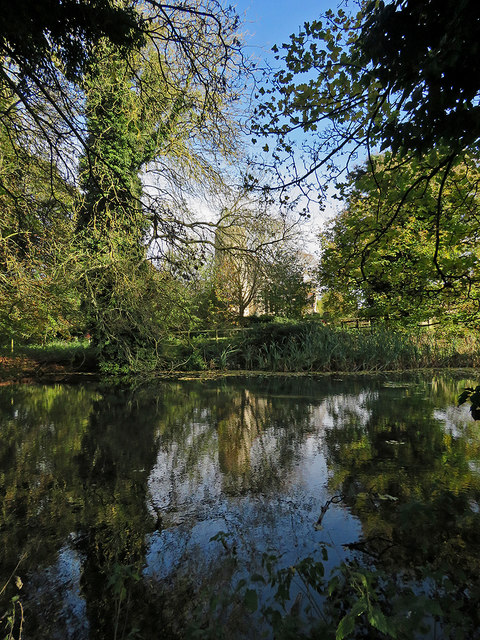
73, 352
290, 346
311, 346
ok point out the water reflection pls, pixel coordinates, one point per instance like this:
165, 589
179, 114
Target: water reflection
112, 497
408, 472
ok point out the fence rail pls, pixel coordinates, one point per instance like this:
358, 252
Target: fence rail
353, 323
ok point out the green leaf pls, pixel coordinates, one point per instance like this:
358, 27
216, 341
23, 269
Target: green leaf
380, 622
257, 577
347, 623
345, 627
359, 607
333, 585
251, 600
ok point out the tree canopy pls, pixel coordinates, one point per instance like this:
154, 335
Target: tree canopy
111, 115
395, 75
401, 264
426, 57
48, 50
37, 35
391, 78
255, 257
116, 116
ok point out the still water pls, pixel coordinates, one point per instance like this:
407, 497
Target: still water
145, 513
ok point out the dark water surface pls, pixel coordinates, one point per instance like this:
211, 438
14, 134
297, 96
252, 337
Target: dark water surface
110, 499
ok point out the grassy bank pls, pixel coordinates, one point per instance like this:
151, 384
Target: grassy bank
57, 358
281, 347
312, 346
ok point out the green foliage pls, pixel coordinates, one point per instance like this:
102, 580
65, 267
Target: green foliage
38, 299
127, 302
335, 306
416, 53
312, 346
120, 582
382, 253
309, 345
12, 620
285, 291
130, 308
119, 144
64, 34
390, 75
93, 79
37, 303
76, 354
472, 394
350, 603
258, 267
354, 601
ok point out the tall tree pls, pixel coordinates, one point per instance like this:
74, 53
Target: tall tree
392, 76
248, 243
115, 150
36, 299
149, 92
407, 269
49, 51
144, 114
288, 288
239, 262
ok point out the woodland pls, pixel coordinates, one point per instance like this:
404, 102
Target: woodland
153, 183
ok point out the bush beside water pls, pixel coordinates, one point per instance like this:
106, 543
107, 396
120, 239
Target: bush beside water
311, 346
283, 346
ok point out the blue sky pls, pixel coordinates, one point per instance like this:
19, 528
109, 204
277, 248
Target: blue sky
269, 22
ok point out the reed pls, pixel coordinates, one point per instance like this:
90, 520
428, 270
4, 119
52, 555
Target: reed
311, 346
290, 346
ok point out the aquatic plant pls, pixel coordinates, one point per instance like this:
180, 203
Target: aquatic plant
472, 394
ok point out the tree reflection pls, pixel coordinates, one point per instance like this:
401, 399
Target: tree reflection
254, 431
123, 491
409, 474
117, 453
74, 472
41, 429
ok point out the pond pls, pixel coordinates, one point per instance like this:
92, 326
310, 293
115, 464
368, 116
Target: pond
245, 508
